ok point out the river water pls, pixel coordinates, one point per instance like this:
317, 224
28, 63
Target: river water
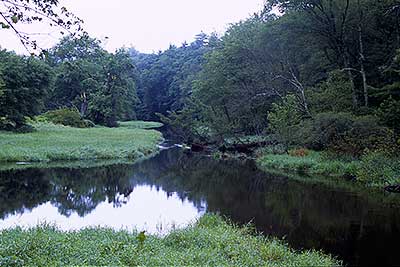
175, 187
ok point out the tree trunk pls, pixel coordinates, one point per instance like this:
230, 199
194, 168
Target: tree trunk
84, 105
351, 78
362, 57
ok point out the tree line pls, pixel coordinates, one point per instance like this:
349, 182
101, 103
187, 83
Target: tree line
76, 74
315, 73
318, 73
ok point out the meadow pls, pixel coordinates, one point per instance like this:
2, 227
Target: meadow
50, 142
140, 124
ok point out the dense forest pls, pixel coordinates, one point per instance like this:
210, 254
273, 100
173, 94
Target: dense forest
316, 74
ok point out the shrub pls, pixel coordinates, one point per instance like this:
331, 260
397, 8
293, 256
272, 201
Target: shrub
6, 124
379, 168
344, 133
365, 134
332, 95
299, 152
284, 118
389, 113
276, 149
26, 128
66, 117
89, 124
324, 130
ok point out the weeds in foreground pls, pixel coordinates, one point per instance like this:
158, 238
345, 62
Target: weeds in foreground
209, 242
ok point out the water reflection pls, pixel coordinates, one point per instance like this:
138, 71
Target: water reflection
144, 209
175, 187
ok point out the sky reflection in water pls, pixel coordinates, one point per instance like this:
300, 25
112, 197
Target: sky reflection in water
146, 208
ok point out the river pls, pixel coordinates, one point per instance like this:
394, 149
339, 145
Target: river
175, 187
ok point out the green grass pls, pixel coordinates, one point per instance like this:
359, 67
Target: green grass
140, 124
313, 164
209, 242
60, 143
69, 164
373, 169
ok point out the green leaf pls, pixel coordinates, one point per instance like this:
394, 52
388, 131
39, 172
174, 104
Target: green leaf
14, 19
4, 26
141, 237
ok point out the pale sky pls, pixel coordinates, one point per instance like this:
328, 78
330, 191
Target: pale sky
147, 25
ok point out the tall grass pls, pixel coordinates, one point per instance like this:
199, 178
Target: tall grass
374, 169
56, 142
209, 242
312, 163
140, 124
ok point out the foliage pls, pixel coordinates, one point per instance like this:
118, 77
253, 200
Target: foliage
66, 117
277, 149
389, 113
365, 134
25, 83
101, 85
188, 123
165, 79
323, 54
284, 118
209, 241
332, 95
55, 142
313, 164
379, 168
375, 168
299, 152
139, 124
14, 13
343, 133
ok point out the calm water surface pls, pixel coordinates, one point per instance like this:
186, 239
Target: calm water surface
174, 188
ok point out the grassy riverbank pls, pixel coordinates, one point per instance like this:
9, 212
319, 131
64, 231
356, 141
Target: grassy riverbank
374, 169
312, 163
140, 124
211, 241
59, 143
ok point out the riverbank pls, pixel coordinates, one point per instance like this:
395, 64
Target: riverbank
211, 241
312, 163
61, 143
374, 169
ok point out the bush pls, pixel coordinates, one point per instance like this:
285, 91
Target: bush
6, 124
365, 134
276, 149
344, 133
332, 95
389, 113
379, 168
324, 130
284, 118
26, 128
66, 117
89, 123
299, 152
